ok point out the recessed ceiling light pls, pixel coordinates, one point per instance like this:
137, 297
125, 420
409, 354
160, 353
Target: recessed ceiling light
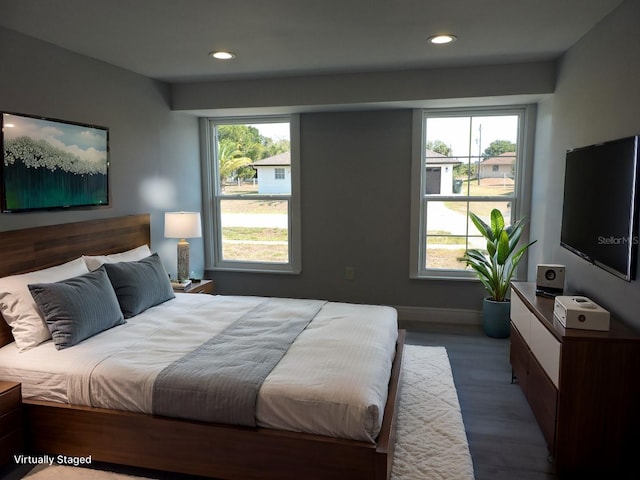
222, 55
441, 39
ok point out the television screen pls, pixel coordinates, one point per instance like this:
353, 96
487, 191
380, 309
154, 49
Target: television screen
599, 215
51, 164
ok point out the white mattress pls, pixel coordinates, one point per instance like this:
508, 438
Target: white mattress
333, 380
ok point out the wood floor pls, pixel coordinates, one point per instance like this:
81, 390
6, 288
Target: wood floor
504, 438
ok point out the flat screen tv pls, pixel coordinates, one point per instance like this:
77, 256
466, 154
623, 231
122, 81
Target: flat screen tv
52, 164
600, 210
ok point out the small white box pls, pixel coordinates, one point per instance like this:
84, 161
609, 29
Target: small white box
580, 312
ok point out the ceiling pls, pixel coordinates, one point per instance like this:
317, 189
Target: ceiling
170, 40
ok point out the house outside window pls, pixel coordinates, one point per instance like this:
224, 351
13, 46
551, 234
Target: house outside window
273, 174
487, 150
251, 171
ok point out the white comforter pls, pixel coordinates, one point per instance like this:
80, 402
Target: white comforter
333, 380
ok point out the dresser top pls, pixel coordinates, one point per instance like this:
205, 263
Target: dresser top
542, 308
5, 386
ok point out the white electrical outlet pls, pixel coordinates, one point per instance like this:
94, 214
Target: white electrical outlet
349, 273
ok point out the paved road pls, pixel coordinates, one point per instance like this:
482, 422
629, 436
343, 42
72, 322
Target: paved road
440, 219
259, 220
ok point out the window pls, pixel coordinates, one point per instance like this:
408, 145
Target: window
252, 216
464, 161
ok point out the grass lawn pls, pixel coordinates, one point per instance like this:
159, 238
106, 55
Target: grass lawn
255, 234
254, 206
440, 237
488, 187
251, 244
257, 244
248, 205
445, 258
270, 244
247, 252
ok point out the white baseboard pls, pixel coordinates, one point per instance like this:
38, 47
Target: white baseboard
457, 316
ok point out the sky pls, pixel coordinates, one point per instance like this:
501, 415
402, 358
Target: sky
456, 132
275, 131
87, 143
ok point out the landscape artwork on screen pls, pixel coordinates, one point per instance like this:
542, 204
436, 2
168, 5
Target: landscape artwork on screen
51, 164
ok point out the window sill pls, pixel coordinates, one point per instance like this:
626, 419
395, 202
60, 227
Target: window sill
281, 271
456, 277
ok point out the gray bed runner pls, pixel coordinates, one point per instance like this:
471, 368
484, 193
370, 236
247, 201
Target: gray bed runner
219, 381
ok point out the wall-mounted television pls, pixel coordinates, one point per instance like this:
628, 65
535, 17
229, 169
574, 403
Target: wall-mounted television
600, 210
51, 164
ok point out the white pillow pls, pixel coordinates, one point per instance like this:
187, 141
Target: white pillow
94, 262
19, 309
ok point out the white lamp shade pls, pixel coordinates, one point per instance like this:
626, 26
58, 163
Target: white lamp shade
182, 225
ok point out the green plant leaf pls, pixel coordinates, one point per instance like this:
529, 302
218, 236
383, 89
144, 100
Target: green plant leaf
514, 236
495, 267
491, 248
483, 228
476, 256
497, 222
515, 259
504, 248
484, 273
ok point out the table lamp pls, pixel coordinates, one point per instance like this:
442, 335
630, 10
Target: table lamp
182, 225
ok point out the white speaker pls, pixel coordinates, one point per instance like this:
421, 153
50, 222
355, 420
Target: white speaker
550, 280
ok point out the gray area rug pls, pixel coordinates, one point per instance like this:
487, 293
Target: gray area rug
431, 444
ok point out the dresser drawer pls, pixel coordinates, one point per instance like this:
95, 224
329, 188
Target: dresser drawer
10, 397
546, 350
10, 421
521, 317
543, 398
519, 357
10, 445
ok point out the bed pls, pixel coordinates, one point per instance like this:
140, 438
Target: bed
58, 423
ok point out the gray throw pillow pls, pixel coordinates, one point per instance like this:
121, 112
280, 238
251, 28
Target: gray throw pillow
77, 308
139, 285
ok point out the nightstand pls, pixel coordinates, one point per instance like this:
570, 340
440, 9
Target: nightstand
10, 421
198, 286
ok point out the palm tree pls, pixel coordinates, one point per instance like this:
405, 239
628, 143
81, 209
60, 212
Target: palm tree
229, 162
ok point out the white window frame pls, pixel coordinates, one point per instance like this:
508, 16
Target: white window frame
521, 205
212, 197
279, 173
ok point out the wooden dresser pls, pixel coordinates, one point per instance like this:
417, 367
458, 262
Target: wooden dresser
10, 421
583, 386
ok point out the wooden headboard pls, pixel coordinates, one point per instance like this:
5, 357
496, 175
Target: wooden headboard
31, 249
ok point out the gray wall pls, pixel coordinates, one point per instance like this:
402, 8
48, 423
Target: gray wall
356, 175
409, 88
154, 152
597, 98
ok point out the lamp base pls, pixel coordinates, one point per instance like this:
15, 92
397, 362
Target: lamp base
183, 260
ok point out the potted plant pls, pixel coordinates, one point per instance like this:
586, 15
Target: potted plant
495, 268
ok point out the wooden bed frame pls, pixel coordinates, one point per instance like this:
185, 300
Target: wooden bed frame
161, 443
